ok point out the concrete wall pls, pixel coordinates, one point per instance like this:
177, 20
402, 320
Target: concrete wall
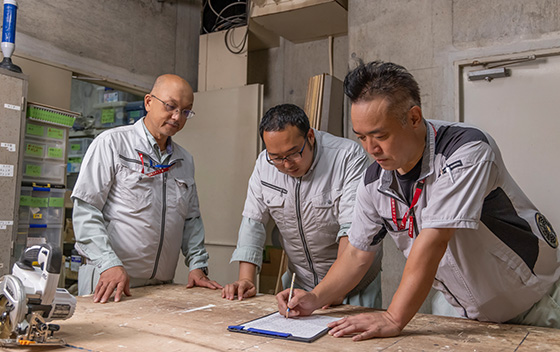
428, 37
128, 42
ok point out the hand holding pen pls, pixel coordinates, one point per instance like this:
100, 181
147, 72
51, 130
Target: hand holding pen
291, 293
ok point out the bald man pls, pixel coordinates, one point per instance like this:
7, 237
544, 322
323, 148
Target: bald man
135, 201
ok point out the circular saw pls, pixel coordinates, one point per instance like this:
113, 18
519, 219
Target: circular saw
30, 299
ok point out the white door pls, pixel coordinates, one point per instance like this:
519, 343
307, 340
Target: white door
521, 112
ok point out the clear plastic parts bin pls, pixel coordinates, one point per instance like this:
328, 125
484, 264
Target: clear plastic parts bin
78, 146
44, 234
41, 205
43, 171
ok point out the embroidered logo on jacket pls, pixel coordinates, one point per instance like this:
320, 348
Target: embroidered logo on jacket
546, 230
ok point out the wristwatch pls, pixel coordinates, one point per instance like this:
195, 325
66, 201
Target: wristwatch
204, 270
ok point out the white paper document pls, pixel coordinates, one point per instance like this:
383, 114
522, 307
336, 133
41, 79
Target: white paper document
299, 327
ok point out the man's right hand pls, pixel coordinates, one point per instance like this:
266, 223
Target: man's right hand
243, 288
115, 277
302, 302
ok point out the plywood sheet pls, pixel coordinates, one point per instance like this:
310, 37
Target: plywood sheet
223, 139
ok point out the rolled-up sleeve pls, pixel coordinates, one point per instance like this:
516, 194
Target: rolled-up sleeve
250, 242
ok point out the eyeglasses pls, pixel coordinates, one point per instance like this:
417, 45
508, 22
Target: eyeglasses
186, 113
291, 158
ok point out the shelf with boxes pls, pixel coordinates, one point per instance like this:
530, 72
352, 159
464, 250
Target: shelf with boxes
116, 108
76, 151
41, 206
44, 158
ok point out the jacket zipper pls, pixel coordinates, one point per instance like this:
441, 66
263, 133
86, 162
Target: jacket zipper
302, 235
163, 211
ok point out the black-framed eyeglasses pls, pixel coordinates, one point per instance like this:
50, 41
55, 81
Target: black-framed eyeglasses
291, 158
186, 113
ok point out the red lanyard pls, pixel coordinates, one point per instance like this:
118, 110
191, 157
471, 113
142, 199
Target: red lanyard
153, 173
406, 217
417, 193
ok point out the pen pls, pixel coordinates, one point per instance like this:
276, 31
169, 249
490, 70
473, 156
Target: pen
291, 293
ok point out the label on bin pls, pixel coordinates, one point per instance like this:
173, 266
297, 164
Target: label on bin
55, 133
56, 202
34, 150
75, 146
35, 130
108, 116
75, 262
54, 153
25, 201
39, 202
33, 170
37, 216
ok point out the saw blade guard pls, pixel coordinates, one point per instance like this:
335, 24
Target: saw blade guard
44, 280
14, 304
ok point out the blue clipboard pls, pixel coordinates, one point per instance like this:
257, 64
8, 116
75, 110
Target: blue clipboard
243, 328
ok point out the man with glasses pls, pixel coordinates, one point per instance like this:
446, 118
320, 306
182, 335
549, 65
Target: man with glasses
135, 201
306, 182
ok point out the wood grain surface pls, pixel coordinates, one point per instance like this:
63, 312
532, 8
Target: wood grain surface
173, 318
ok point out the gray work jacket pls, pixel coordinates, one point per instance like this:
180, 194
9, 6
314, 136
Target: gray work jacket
504, 254
144, 216
308, 210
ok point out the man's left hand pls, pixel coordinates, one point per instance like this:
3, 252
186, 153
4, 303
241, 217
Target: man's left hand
198, 278
365, 326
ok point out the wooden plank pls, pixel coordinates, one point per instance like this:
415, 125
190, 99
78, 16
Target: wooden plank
173, 318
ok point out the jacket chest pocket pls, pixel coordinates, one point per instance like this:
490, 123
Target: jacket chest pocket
183, 197
325, 209
134, 188
276, 207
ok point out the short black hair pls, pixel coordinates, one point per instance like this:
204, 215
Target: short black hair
276, 119
383, 79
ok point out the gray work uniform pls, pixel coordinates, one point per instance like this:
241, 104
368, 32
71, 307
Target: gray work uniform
128, 217
503, 256
311, 212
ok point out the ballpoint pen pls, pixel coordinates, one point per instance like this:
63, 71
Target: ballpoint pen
291, 293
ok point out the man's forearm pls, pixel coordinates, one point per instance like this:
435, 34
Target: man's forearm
344, 275
419, 273
247, 271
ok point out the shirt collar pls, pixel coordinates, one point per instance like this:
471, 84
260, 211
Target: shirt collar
387, 177
168, 147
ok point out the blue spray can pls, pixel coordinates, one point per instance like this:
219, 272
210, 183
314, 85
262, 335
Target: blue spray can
9, 35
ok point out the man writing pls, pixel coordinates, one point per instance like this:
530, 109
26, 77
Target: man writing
442, 192
306, 182
135, 201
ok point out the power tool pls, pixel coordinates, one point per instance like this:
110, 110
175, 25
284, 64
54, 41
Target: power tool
30, 299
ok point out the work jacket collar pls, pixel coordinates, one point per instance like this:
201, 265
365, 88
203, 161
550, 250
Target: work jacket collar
389, 183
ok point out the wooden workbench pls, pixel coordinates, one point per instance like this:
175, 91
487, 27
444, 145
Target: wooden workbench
166, 318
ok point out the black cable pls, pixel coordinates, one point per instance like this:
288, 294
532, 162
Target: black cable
241, 46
